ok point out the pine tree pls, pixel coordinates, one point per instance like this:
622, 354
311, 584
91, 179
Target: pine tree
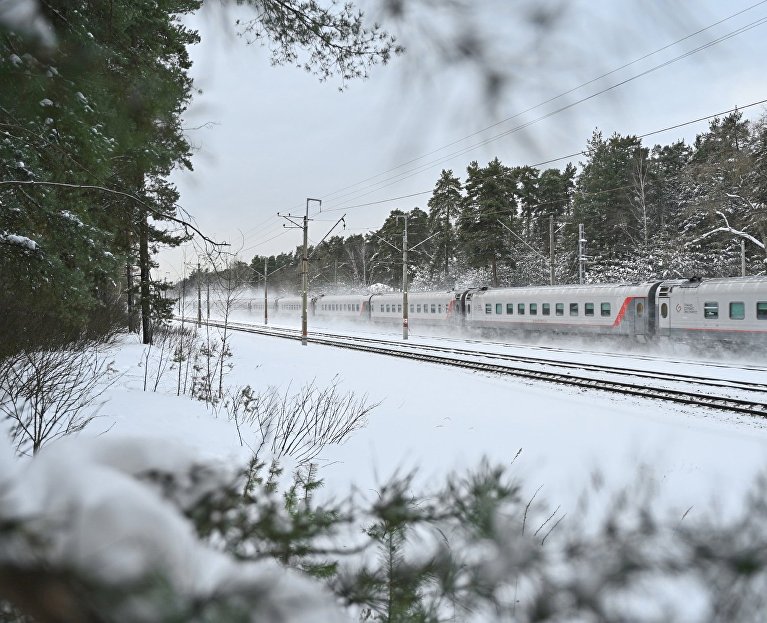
444, 207
602, 200
490, 197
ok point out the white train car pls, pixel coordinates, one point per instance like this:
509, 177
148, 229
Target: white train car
289, 306
583, 309
424, 308
342, 307
722, 310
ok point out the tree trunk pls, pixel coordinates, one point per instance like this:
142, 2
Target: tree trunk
146, 324
129, 282
447, 243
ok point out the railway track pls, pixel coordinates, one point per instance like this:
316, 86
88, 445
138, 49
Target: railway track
697, 391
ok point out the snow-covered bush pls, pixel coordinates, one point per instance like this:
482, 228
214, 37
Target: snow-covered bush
140, 530
299, 424
96, 531
52, 392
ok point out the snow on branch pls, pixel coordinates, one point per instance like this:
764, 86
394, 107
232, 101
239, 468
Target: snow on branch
92, 521
728, 229
20, 241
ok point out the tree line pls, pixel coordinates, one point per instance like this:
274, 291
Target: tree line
658, 212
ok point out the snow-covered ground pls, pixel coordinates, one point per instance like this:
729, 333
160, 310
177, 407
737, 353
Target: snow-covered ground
438, 419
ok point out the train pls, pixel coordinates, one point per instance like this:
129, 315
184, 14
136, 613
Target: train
724, 310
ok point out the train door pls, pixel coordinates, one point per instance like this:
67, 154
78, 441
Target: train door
640, 315
664, 310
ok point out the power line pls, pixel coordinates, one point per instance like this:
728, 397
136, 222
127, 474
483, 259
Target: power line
569, 156
423, 167
537, 164
552, 99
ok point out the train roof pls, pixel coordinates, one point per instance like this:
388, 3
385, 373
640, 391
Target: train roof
732, 284
573, 288
342, 297
417, 295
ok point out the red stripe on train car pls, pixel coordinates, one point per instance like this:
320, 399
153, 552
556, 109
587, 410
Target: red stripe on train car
622, 311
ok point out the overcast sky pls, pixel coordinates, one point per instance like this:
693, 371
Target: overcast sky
274, 136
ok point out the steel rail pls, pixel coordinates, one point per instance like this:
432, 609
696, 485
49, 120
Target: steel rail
622, 371
724, 403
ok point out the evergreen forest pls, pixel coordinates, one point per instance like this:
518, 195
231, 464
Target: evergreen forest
661, 212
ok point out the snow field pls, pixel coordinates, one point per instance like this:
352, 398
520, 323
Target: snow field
435, 420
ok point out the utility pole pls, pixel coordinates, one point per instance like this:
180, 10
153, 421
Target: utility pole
305, 279
304, 265
207, 296
551, 250
266, 297
404, 279
199, 296
581, 253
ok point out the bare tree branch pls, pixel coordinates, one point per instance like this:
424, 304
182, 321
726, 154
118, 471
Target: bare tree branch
149, 208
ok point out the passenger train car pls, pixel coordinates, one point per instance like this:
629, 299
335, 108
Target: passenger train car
594, 309
424, 308
729, 310
699, 310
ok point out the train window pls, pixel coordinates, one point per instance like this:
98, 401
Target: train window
761, 310
546, 309
418, 309
399, 309
605, 309
573, 309
509, 308
433, 309
737, 311
439, 308
488, 308
560, 309
588, 309
388, 308
533, 309
640, 309
412, 308
499, 308
521, 309
664, 310
382, 307
711, 310
468, 308
357, 307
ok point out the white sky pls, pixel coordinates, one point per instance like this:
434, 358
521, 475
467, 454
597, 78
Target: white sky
281, 136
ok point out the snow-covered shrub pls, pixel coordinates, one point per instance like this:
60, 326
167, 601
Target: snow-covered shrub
299, 424
140, 530
52, 392
96, 531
